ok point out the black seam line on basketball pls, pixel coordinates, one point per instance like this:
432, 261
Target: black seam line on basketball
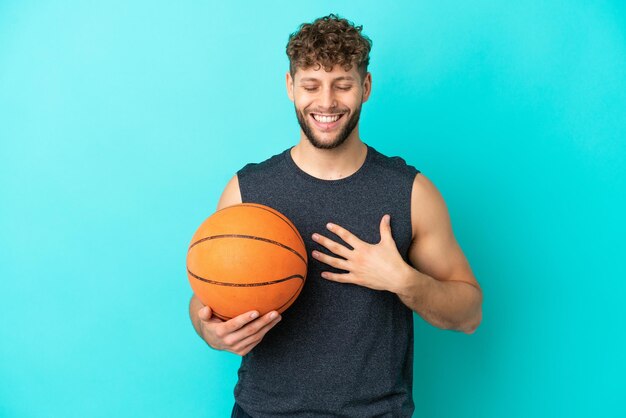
259, 206
254, 205
289, 302
284, 279
288, 222
294, 296
221, 316
248, 237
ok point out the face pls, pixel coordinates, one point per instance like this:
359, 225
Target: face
328, 104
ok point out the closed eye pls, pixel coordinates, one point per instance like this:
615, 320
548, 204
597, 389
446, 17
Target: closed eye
315, 88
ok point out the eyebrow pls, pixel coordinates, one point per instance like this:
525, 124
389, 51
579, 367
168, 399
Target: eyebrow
347, 78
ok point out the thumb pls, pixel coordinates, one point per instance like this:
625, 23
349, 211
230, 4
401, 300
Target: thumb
385, 228
205, 313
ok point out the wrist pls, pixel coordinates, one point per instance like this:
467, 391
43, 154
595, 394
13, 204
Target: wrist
409, 283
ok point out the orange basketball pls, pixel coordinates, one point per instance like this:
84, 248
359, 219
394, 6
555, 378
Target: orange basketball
246, 257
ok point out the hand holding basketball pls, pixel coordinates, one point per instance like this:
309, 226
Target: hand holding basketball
238, 335
246, 257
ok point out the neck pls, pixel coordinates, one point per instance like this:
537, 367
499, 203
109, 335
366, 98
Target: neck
330, 164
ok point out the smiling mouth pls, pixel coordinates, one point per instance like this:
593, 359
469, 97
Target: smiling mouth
326, 118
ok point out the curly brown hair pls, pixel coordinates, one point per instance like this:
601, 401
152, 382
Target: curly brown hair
328, 41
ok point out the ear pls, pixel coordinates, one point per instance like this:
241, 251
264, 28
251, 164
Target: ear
367, 86
289, 82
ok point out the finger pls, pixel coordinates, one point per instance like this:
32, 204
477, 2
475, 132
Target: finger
205, 313
257, 336
385, 228
249, 343
246, 349
338, 277
344, 234
251, 328
331, 261
239, 322
206, 316
333, 246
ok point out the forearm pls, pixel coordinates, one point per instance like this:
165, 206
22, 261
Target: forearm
450, 304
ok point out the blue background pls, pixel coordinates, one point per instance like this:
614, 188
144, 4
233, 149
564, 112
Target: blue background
121, 122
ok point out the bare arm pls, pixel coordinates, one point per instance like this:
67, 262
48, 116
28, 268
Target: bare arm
441, 288
242, 333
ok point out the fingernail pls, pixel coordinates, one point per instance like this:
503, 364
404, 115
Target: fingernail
254, 315
315, 237
273, 315
204, 311
329, 225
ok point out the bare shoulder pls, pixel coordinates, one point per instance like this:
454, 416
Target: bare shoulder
434, 250
231, 194
428, 208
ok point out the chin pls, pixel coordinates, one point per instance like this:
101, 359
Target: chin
326, 144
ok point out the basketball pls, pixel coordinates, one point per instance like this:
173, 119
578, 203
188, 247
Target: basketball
246, 257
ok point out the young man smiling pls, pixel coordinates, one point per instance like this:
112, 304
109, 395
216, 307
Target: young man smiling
381, 243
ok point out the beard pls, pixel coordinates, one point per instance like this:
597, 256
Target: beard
341, 137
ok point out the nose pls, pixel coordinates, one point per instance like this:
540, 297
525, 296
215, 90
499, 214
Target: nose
327, 98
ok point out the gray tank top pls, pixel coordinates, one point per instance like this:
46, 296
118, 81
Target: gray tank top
341, 350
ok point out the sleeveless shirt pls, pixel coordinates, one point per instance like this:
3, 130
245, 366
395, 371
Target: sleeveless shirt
341, 350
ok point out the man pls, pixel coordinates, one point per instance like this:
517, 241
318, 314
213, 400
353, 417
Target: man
381, 248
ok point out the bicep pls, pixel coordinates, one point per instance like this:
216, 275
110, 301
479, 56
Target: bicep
434, 250
231, 194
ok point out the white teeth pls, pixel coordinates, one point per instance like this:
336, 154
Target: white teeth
325, 119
